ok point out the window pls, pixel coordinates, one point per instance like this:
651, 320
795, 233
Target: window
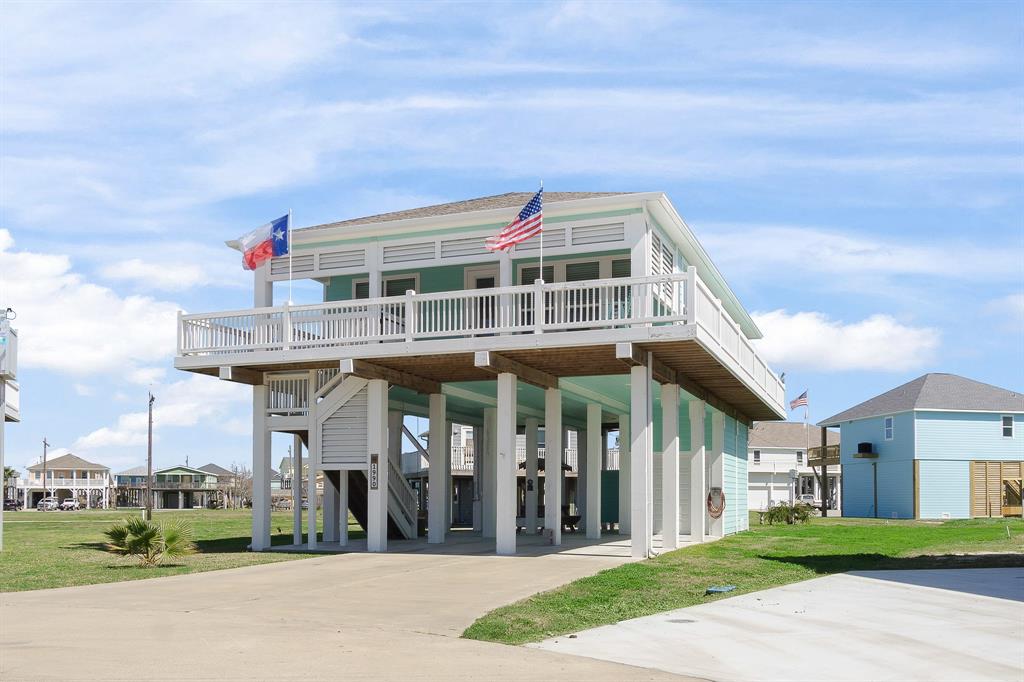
799, 456
888, 428
757, 456
1007, 426
390, 286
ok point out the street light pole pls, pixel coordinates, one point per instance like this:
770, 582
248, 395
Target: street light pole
149, 463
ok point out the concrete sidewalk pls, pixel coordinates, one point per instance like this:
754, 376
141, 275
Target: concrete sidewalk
357, 616
955, 625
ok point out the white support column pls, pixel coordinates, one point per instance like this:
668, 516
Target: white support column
437, 485
624, 474
506, 491
581, 477
697, 492
311, 524
343, 507
640, 461
377, 482
593, 483
297, 489
670, 466
489, 471
330, 508
395, 437
716, 463
448, 473
553, 464
532, 481
478, 479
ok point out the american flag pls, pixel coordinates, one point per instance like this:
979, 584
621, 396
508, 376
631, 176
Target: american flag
800, 400
529, 222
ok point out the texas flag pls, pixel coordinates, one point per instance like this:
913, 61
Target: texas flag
264, 243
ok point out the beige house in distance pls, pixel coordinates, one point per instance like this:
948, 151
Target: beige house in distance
68, 476
777, 465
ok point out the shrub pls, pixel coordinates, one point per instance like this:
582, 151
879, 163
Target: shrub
789, 514
148, 541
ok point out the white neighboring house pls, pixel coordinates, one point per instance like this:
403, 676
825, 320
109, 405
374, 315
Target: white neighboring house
774, 450
68, 476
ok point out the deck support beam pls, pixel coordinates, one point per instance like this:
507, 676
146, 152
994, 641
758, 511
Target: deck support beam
377, 482
506, 493
698, 493
489, 471
497, 363
438, 475
670, 466
260, 471
624, 474
311, 497
641, 462
297, 490
593, 478
330, 507
553, 464
369, 370
532, 480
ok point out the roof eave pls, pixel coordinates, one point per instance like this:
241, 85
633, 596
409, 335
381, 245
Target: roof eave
315, 233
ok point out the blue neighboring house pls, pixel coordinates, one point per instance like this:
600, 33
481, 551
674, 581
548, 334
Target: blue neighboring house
941, 446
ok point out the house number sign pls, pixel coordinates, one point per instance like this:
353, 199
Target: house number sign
373, 470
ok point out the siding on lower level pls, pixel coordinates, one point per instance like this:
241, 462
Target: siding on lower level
944, 489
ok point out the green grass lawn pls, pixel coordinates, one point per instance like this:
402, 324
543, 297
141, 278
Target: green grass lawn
61, 549
765, 556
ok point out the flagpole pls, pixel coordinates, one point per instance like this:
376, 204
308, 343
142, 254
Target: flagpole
289, 256
540, 274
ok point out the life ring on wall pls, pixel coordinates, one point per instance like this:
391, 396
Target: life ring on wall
715, 509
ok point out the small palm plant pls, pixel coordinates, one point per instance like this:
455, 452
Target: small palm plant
150, 542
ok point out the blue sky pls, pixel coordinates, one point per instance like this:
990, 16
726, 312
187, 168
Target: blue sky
854, 169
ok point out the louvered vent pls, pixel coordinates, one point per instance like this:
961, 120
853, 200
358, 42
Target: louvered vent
598, 234
279, 265
335, 260
343, 443
468, 246
403, 253
552, 239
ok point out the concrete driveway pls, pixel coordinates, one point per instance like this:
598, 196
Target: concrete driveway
880, 625
356, 616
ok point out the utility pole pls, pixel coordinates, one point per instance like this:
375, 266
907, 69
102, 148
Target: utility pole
149, 463
45, 445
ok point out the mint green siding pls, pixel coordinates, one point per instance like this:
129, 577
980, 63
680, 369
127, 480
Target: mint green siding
967, 436
734, 477
442, 278
945, 489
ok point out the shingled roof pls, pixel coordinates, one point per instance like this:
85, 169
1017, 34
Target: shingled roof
68, 461
508, 200
935, 392
215, 469
790, 435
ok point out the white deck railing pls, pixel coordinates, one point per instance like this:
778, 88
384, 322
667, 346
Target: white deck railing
536, 308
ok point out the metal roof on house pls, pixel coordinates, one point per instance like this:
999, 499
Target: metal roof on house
790, 435
507, 200
215, 469
935, 392
68, 461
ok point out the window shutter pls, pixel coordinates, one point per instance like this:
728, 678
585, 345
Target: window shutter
577, 272
621, 268
528, 274
362, 290
398, 287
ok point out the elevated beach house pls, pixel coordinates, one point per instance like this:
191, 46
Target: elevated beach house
940, 446
628, 327
779, 466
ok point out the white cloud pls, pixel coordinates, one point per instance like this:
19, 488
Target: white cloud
69, 324
84, 390
811, 340
795, 249
197, 400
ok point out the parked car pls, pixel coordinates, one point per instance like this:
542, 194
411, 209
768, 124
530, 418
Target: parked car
807, 498
70, 504
11, 505
47, 504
